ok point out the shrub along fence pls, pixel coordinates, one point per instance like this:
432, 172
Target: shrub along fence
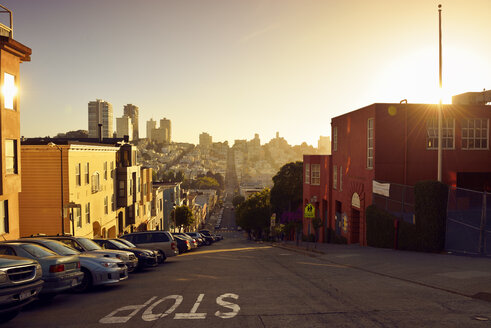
391, 229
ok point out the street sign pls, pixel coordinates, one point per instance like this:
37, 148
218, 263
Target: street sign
309, 211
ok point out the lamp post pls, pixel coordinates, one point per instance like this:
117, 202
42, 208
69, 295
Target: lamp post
440, 152
52, 144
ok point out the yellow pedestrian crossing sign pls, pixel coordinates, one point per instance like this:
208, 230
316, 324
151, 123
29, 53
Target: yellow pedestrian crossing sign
309, 211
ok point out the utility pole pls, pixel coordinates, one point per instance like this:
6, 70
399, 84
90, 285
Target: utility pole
440, 118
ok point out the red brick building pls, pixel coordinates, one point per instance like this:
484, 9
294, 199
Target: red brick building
397, 143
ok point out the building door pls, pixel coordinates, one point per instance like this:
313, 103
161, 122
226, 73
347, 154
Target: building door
355, 226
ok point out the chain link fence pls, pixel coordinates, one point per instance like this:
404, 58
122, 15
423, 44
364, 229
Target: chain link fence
468, 222
400, 202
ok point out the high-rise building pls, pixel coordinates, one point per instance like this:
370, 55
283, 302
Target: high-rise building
100, 112
324, 145
151, 125
205, 140
132, 112
165, 124
124, 127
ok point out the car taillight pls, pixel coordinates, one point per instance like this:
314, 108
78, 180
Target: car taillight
173, 245
56, 268
78, 265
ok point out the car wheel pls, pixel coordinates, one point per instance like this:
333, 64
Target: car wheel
86, 282
163, 256
4, 317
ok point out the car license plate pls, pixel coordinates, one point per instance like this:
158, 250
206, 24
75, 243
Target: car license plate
25, 294
74, 282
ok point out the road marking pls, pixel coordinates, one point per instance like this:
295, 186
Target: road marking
149, 315
322, 264
225, 250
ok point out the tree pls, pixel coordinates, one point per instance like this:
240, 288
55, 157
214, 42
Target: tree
207, 183
183, 217
254, 214
237, 200
179, 176
286, 194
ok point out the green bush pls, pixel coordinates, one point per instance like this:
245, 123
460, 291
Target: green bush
380, 227
408, 237
334, 238
430, 208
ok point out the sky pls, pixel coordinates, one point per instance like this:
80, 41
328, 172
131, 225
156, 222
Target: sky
233, 68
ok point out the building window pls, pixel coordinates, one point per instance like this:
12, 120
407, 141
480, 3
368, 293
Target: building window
475, 133
307, 173
145, 188
112, 170
95, 182
121, 188
137, 210
87, 213
131, 187
11, 156
316, 174
87, 181
9, 91
78, 178
78, 217
340, 178
138, 184
370, 143
4, 216
335, 177
335, 138
112, 202
105, 170
448, 133
106, 205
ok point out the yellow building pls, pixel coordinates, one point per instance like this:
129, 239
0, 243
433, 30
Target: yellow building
69, 180
12, 53
144, 220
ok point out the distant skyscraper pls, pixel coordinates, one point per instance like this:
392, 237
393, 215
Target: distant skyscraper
165, 124
132, 112
100, 112
324, 145
124, 127
151, 125
205, 140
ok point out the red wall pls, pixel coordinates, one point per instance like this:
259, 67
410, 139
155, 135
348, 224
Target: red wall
321, 192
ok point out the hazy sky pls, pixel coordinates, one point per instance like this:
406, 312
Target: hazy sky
233, 68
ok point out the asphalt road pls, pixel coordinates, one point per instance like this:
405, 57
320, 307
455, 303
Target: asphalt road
240, 283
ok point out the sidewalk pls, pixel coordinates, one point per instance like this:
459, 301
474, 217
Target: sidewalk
463, 275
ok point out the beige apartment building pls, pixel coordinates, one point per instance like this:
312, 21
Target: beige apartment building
12, 53
69, 188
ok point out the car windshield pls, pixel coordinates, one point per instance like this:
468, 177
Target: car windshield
88, 244
126, 242
59, 248
119, 244
37, 250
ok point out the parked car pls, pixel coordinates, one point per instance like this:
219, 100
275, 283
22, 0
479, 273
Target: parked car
98, 270
85, 245
192, 241
201, 239
158, 240
209, 238
183, 245
146, 258
60, 272
20, 282
160, 258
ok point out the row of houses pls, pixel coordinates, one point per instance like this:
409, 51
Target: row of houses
384, 145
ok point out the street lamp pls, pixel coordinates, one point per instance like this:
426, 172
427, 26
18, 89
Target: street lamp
52, 144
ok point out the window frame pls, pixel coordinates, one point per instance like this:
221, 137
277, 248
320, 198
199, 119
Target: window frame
5, 98
87, 175
433, 135
307, 173
78, 175
465, 129
370, 142
335, 177
4, 217
11, 158
87, 213
335, 138
315, 174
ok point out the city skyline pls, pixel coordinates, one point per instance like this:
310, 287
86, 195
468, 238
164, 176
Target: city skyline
242, 67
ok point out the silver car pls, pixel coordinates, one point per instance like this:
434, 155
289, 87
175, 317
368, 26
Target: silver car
60, 272
85, 245
97, 270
